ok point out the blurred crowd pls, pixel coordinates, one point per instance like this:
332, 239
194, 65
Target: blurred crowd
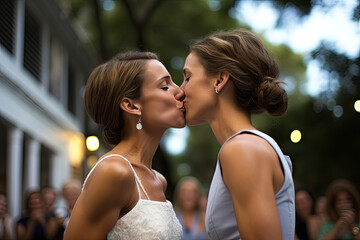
335, 215
43, 216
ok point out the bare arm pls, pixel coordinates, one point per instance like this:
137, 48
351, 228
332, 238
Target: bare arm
248, 173
99, 205
344, 223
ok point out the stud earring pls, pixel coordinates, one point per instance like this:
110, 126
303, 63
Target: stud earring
216, 91
139, 125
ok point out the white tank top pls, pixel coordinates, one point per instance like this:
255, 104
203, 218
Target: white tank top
147, 220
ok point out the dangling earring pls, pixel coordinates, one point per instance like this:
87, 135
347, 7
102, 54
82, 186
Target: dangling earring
139, 125
216, 91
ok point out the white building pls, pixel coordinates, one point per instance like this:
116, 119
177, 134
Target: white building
44, 65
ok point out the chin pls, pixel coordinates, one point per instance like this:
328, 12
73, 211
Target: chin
192, 121
181, 124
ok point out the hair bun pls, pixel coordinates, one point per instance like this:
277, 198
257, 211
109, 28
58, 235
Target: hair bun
111, 135
271, 96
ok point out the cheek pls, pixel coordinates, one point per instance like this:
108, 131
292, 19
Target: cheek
161, 109
199, 103
162, 104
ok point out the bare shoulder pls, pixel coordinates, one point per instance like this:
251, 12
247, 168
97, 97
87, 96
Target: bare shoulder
249, 155
110, 176
246, 146
113, 169
162, 179
109, 190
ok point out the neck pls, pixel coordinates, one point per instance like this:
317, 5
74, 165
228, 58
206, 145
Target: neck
139, 147
228, 119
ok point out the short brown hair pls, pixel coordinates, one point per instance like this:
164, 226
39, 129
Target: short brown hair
108, 84
252, 69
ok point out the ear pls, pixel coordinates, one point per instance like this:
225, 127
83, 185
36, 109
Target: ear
221, 80
130, 106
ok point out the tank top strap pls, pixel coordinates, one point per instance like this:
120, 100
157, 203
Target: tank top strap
270, 140
137, 179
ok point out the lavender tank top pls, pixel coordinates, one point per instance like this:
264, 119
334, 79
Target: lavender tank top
220, 215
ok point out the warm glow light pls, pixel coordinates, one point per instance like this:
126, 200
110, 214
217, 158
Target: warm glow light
295, 136
75, 145
92, 143
357, 105
91, 161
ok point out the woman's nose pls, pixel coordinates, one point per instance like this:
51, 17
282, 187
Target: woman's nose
179, 94
183, 85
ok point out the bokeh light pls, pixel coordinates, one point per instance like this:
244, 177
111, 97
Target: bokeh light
357, 106
92, 143
295, 136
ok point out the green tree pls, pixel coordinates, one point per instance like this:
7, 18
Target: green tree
167, 27
328, 122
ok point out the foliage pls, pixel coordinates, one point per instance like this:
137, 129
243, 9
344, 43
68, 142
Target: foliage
167, 29
328, 122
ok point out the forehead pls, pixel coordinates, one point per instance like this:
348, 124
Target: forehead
188, 184
192, 62
342, 195
154, 70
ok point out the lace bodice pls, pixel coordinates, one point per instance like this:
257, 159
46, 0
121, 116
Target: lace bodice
149, 219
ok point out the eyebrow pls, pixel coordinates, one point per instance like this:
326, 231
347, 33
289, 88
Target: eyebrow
167, 77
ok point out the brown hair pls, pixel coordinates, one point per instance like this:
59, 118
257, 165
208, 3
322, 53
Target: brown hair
108, 84
337, 186
252, 69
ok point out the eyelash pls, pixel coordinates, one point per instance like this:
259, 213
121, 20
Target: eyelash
165, 88
187, 79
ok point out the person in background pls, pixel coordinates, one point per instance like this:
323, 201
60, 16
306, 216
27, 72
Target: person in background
189, 209
304, 207
71, 190
34, 224
49, 196
343, 212
318, 218
6, 222
228, 77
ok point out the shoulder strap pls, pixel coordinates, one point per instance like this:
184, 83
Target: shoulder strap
137, 180
269, 139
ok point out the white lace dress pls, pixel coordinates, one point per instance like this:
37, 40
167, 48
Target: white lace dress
149, 219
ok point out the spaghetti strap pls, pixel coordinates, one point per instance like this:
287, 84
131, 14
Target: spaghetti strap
137, 179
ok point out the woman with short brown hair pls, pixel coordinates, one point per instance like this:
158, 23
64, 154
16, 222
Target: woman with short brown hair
134, 99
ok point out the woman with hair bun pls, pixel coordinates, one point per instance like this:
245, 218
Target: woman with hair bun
134, 99
228, 76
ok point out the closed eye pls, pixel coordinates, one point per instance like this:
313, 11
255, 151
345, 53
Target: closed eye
165, 88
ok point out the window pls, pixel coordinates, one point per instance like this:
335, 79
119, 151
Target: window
56, 59
32, 45
7, 24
